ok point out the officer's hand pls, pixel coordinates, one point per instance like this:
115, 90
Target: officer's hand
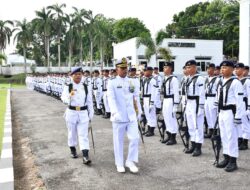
175, 109
139, 117
237, 121
72, 93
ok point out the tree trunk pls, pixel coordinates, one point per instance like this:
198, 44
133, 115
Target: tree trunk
25, 64
47, 52
101, 57
59, 52
81, 51
70, 55
91, 55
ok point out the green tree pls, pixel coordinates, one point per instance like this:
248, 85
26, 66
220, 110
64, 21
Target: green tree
127, 28
43, 25
24, 37
59, 25
5, 33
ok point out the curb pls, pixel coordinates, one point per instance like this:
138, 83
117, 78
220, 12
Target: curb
6, 161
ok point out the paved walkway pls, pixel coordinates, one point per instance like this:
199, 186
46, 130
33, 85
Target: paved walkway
163, 167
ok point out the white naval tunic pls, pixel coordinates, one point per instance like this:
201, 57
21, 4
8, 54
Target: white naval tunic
77, 121
228, 130
121, 98
210, 109
171, 99
195, 120
97, 89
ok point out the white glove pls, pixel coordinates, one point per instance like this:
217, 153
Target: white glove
175, 108
116, 116
139, 117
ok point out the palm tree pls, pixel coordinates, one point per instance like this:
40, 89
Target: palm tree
103, 32
24, 36
43, 25
2, 57
154, 48
59, 23
71, 35
5, 33
80, 22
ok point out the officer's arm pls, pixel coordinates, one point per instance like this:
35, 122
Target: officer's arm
248, 93
137, 97
89, 102
154, 91
176, 90
238, 93
65, 95
201, 86
111, 97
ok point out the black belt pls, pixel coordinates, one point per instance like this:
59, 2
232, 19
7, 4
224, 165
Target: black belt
210, 95
228, 107
146, 96
169, 96
104, 90
78, 108
95, 88
192, 97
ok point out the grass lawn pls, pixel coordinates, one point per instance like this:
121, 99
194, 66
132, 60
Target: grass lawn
5, 86
3, 94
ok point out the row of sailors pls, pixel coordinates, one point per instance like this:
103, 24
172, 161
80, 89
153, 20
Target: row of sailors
200, 96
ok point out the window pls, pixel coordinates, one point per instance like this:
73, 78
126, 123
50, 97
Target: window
202, 66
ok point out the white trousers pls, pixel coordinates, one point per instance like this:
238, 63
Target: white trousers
119, 130
169, 117
105, 101
98, 99
150, 116
210, 112
195, 122
245, 127
77, 123
228, 133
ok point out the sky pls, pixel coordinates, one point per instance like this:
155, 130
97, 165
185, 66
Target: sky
155, 14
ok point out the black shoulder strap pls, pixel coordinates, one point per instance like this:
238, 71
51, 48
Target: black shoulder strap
86, 92
194, 80
212, 84
70, 87
243, 81
164, 84
227, 84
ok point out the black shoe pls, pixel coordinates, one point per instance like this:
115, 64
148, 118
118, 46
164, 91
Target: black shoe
197, 150
86, 159
73, 152
191, 149
158, 110
244, 145
232, 165
209, 134
240, 140
224, 162
98, 112
106, 116
150, 132
146, 132
172, 140
167, 139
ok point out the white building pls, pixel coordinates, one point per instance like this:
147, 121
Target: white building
203, 51
18, 60
244, 54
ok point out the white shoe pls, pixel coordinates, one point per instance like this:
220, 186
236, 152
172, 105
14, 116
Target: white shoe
120, 169
132, 167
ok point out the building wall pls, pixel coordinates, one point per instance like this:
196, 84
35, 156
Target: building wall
244, 54
202, 49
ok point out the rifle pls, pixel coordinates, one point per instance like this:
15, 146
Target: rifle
92, 137
216, 143
183, 131
161, 126
142, 139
